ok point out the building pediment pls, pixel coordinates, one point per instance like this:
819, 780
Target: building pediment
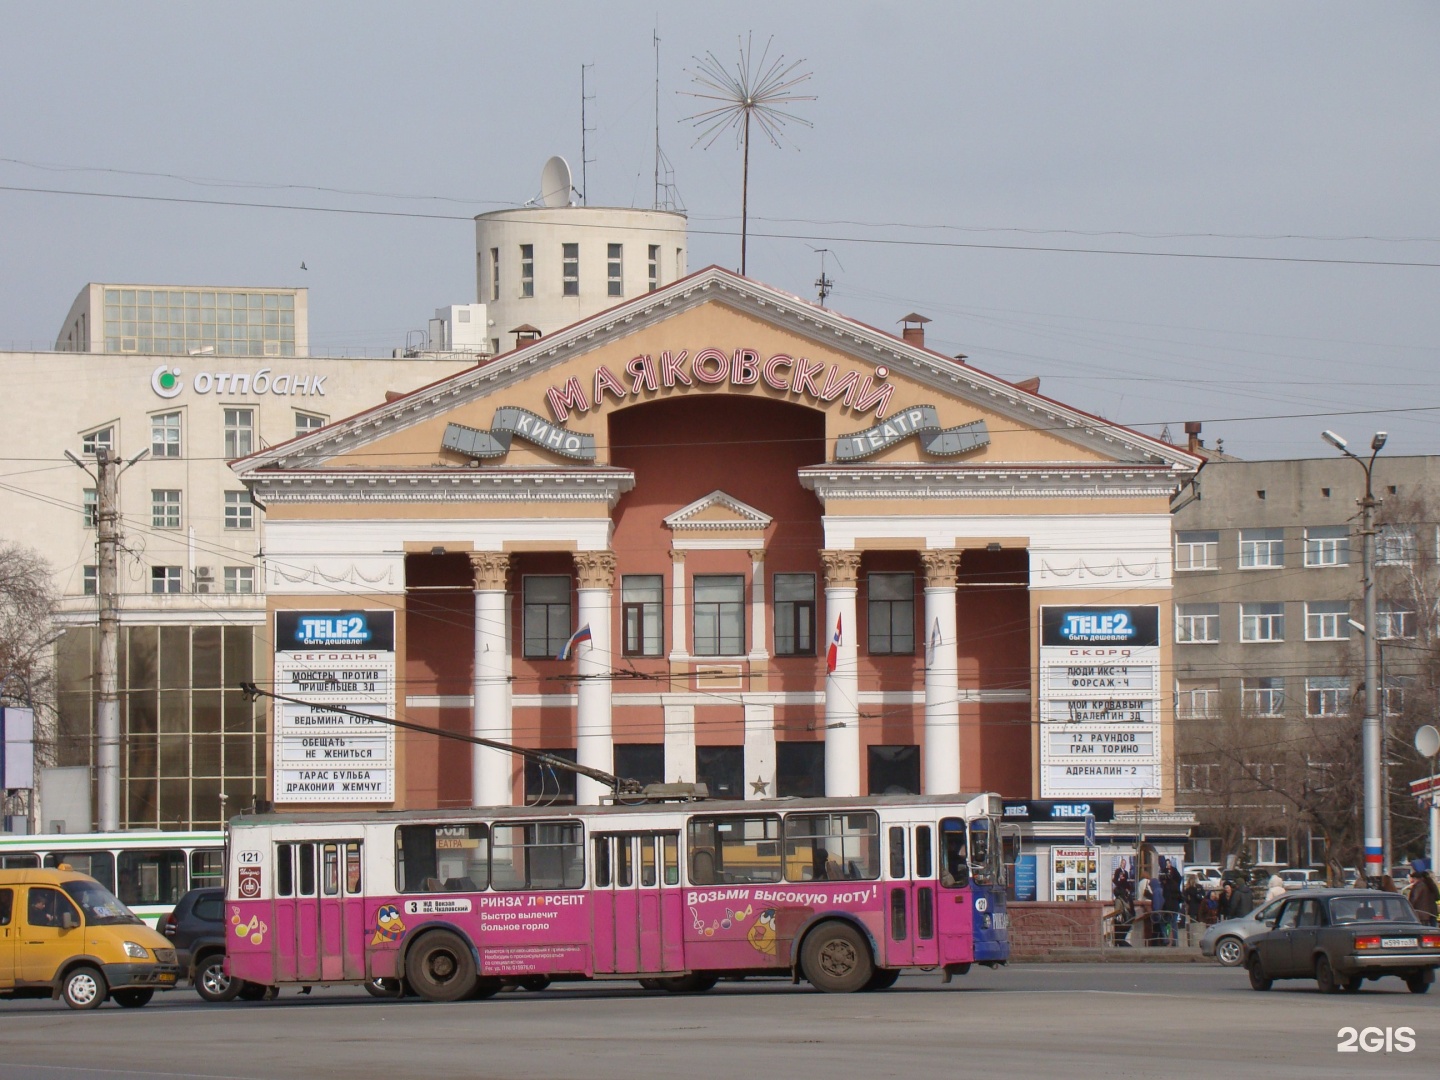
717, 513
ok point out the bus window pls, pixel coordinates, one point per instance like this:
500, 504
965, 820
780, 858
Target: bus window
151, 877
19, 862
671, 843
98, 864
834, 847
305, 863
330, 869
442, 858
284, 870
549, 856
897, 851
352, 868
742, 849
924, 852
207, 867
985, 856
954, 869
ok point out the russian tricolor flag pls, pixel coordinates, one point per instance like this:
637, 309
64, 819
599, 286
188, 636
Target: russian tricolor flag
833, 653
583, 634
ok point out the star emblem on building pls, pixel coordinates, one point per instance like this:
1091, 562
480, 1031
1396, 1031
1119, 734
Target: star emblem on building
758, 786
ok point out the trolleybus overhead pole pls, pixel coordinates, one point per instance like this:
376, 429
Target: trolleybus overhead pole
618, 785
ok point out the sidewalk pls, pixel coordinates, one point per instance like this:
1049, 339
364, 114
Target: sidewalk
1111, 955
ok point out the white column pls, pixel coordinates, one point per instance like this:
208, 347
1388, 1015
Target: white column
679, 744
491, 770
942, 676
679, 643
594, 737
758, 651
759, 751
842, 687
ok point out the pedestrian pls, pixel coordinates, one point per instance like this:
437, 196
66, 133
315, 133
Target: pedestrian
1144, 907
1387, 884
1244, 903
1424, 892
1276, 888
1174, 903
1194, 898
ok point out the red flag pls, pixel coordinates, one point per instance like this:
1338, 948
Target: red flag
833, 653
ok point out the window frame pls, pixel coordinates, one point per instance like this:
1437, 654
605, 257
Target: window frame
614, 269
723, 612
1187, 618
1208, 693
303, 428
797, 616
653, 267
167, 576
166, 508
1326, 695
238, 575
1272, 622
91, 441
1269, 542
239, 511
1395, 623
494, 273
554, 639
639, 615
238, 425
165, 436
1396, 544
1327, 545
570, 268
888, 642
1208, 549
527, 271
90, 507
1316, 620
1268, 700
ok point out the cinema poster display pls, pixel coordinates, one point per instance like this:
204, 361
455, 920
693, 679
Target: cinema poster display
326, 659
1074, 873
1100, 702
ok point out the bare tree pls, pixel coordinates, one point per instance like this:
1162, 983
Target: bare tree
27, 629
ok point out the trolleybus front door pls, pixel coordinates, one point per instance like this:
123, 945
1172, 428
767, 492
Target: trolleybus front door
319, 936
637, 903
910, 923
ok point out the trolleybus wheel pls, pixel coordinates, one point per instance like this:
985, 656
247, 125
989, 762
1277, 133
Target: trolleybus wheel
697, 982
133, 999
534, 983
836, 959
883, 979
440, 967
650, 984
486, 988
385, 988
84, 988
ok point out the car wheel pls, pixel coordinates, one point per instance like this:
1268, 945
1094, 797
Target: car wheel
211, 982
1258, 979
441, 967
133, 999
1229, 951
84, 988
1419, 983
385, 988
1352, 986
836, 959
1325, 975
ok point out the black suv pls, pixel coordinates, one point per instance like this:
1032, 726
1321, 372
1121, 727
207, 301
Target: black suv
197, 927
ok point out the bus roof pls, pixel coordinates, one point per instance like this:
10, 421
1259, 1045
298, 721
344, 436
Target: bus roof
125, 839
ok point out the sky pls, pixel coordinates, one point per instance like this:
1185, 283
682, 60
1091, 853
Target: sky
1168, 212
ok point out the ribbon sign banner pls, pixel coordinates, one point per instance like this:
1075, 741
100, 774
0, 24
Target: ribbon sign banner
510, 421
921, 421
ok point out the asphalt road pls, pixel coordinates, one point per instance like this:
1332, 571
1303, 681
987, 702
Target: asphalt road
1062, 1021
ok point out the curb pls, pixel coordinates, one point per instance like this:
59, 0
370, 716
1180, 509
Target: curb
1113, 956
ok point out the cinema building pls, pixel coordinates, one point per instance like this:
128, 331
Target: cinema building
780, 553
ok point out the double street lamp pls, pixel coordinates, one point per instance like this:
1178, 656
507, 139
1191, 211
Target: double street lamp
1370, 737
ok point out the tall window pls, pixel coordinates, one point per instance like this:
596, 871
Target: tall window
239, 579
570, 270
719, 614
527, 269
892, 614
1262, 621
494, 273
1197, 623
641, 597
306, 422
1263, 696
165, 435
794, 614
164, 579
1396, 545
1262, 548
90, 580
614, 270
90, 507
165, 508
1269, 850
1197, 700
239, 432
547, 614
1197, 550
100, 439
1327, 545
1327, 620
1326, 695
1393, 620
652, 267
239, 510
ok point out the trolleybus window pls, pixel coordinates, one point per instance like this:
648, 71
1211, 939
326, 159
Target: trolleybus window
284, 870
548, 856
97, 864
897, 851
442, 858
330, 869
924, 852
735, 849
671, 845
352, 868
837, 847
954, 865
305, 863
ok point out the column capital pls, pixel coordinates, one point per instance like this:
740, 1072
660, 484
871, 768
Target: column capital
941, 568
595, 569
677, 555
490, 568
841, 567
757, 555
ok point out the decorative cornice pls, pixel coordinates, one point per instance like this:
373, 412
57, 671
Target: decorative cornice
595, 569
841, 568
1044, 480
941, 568
491, 569
443, 485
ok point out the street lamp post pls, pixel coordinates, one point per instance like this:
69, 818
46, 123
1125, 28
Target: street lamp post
1370, 742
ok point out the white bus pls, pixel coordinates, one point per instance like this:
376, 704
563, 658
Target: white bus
148, 870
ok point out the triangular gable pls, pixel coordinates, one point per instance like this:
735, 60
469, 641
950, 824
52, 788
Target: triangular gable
718, 512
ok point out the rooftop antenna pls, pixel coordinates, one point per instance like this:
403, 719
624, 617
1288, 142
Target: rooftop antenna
823, 284
584, 131
760, 89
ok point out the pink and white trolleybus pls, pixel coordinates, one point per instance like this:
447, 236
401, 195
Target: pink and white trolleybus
845, 893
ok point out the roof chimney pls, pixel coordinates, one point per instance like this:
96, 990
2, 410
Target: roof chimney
525, 334
1192, 429
912, 329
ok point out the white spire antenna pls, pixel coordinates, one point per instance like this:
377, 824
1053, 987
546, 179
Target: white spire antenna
585, 160
667, 197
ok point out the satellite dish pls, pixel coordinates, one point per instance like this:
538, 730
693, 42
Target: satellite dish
555, 182
1427, 740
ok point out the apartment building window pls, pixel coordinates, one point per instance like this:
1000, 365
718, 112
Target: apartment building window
570, 269
614, 270
307, 422
548, 620
652, 267
90, 507
1327, 695
1195, 623
165, 435
1327, 545
1262, 548
1196, 701
794, 614
1198, 777
165, 508
239, 579
1263, 696
719, 614
1262, 621
494, 273
1327, 620
527, 269
1393, 621
891, 611
641, 604
1396, 545
90, 580
239, 510
99, 439
1197, 550
165, 579
1269, 850
239, 432
1392, 695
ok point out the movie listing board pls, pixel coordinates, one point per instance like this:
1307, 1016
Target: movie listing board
328, 659
1100, 702
1074, 873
